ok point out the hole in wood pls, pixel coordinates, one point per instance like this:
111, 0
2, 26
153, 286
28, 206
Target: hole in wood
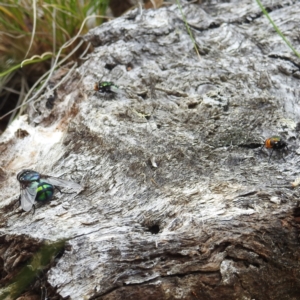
154, 229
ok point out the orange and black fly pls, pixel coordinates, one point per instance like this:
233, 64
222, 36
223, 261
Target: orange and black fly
275, 143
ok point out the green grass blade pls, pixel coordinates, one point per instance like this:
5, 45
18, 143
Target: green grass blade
277, 29
188, 28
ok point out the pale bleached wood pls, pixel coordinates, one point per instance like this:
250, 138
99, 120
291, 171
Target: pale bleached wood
172, 152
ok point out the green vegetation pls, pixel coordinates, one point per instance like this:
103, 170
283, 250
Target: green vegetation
37, 37
41, 260
188, 28
277, 29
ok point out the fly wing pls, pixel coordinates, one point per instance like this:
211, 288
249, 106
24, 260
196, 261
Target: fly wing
28, 196
117, 90
61, 182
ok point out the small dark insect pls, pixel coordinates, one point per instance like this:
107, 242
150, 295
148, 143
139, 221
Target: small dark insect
106, 87
40, 188
51, 97
50, 102
275, 143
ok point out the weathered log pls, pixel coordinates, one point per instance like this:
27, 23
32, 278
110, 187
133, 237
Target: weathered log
179, 199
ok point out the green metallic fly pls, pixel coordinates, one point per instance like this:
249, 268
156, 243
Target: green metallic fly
107, 88
40, 188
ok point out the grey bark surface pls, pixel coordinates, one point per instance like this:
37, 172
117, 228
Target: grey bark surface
178, 201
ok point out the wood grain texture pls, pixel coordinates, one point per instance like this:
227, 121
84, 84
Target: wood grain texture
179, 203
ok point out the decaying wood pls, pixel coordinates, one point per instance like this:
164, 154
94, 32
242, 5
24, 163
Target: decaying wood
178, 201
